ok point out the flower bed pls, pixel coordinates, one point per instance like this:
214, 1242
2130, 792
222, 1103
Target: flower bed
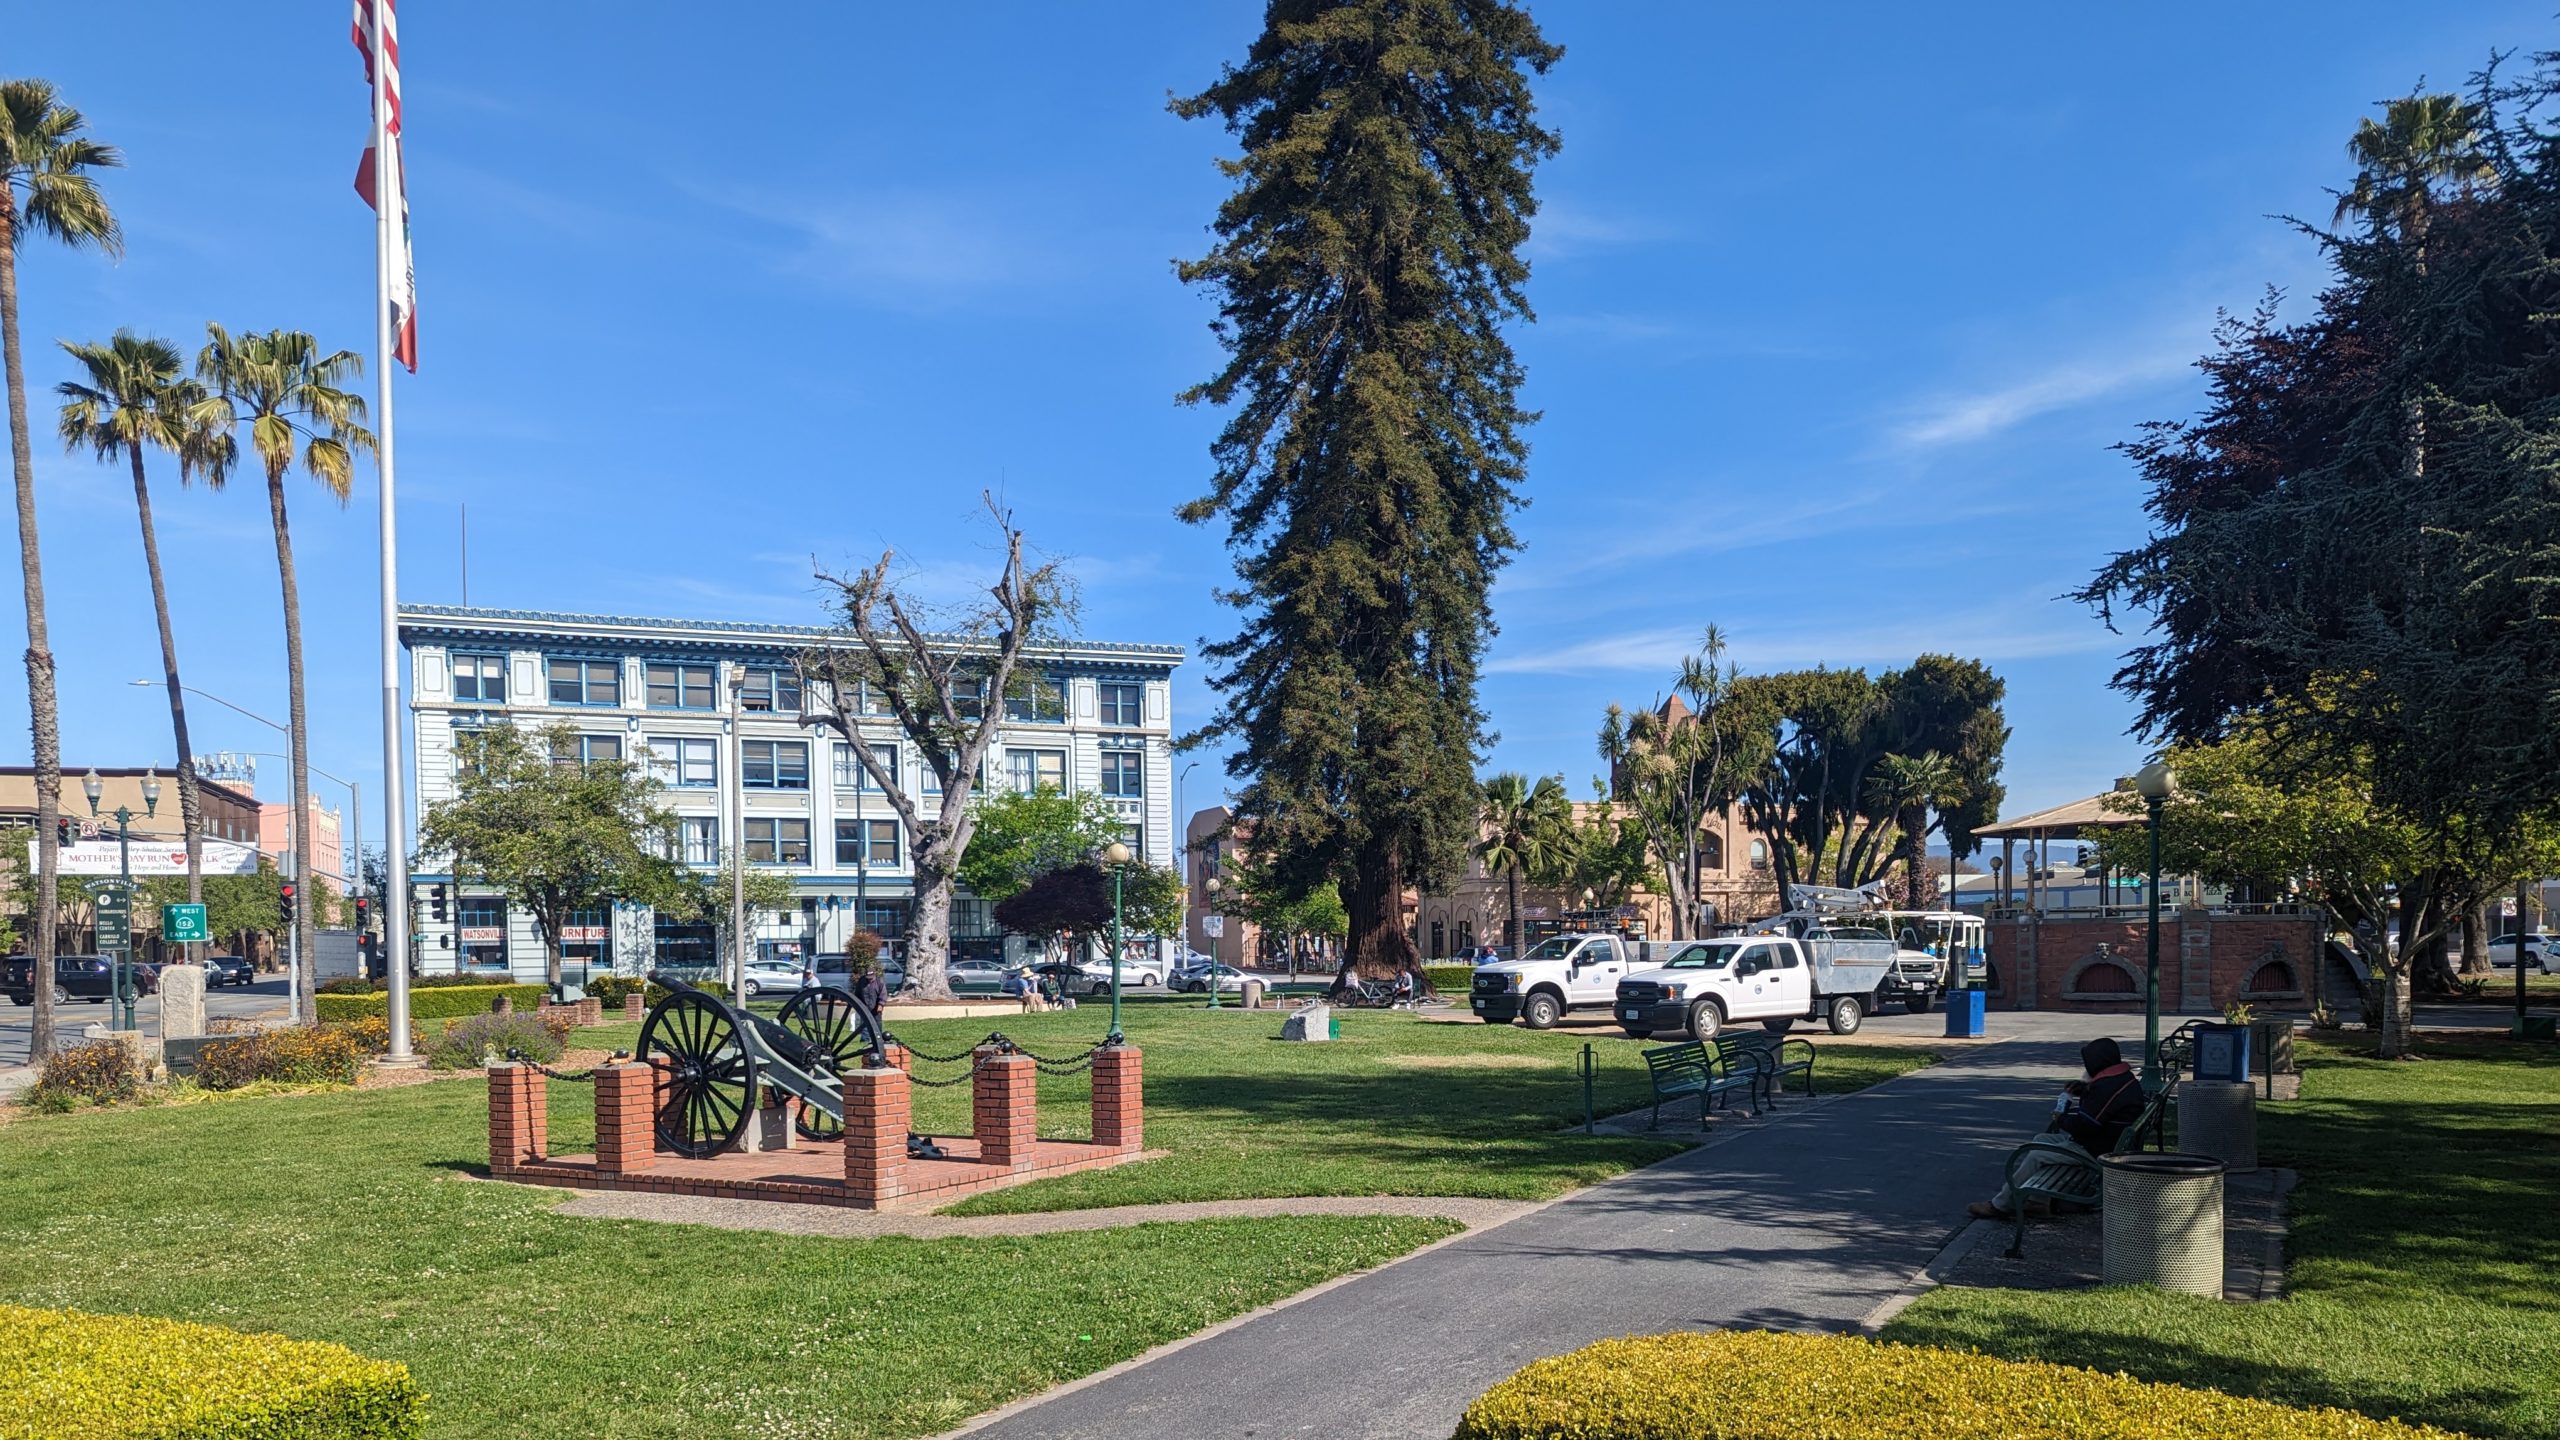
1756, 1385
66, 1375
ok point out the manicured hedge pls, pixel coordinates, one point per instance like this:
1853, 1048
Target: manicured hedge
1450, 979
448, 1002
1755, 1385
65, 1375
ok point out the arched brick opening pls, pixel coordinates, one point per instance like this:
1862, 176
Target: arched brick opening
2275, 977
2101, 977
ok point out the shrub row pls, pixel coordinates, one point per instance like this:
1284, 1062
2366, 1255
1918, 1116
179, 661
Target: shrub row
1450, 980
465, 1043
613, 989
1756, 1385
99, 1073
444, 1002
329, 1055
75, 1376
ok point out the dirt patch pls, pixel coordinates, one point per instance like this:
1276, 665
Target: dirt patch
1475, 1062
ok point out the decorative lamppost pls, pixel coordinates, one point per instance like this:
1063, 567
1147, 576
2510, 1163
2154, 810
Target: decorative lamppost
2154, 781
1116, 855
1213, 886
94, 788
738, 846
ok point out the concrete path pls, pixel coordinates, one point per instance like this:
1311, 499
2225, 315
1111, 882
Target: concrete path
789, 1219
1791, 1225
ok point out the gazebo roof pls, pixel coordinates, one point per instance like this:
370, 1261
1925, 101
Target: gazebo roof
2088, 814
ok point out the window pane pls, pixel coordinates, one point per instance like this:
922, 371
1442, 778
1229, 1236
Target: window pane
1123, 704
848, 842
566, 683
884, 843
604, 683
665, 690
795, 841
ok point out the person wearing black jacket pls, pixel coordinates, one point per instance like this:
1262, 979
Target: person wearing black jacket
2090, 1116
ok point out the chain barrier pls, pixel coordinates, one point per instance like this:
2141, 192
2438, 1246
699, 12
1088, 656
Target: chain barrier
1001, 1044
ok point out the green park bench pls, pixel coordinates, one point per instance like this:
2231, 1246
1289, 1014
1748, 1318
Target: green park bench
2077, 1178
1700, 1070
1776, 1057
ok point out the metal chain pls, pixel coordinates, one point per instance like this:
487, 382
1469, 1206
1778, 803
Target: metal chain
575, 1077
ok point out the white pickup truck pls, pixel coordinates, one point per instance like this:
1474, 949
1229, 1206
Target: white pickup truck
1560, 973
1775, 979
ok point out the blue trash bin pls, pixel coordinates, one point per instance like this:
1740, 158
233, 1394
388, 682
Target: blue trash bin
1964, 1014
2222, 1054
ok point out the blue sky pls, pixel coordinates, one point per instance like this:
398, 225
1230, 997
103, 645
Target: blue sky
1839, 313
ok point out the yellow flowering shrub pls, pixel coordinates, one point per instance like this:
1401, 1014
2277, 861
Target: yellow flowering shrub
65, 1375
1757, 1385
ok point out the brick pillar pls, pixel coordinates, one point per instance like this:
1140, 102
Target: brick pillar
899, 1056
591, 1011
2194, 954
519, 1118
626, 1118
1118, 1111
635, 1007
875, 1136
1005, 1112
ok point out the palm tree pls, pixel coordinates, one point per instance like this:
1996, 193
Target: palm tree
45, 189
290, 396
1526, 828
2422, 142
1908, 787
138, 395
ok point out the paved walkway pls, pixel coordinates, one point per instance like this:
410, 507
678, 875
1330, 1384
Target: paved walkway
1806, 1225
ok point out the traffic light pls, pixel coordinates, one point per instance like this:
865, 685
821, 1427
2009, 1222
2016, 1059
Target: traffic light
364, 913
435, 902
284, 901
61, 832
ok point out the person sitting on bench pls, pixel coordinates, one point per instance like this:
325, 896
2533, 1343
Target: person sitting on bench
2090, 1116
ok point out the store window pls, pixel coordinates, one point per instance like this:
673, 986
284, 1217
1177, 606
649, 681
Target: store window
480, 934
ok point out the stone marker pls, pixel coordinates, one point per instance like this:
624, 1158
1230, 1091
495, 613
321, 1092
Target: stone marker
1308, 1022
181, 1001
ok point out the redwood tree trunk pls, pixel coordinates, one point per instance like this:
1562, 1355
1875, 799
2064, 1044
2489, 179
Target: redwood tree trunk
44, 722
1378, 943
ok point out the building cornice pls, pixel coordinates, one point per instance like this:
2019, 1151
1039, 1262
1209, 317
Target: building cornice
443, 623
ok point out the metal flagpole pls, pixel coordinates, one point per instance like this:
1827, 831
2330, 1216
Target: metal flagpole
387, 200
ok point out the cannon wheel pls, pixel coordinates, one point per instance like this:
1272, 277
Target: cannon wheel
829, 1019
710, 1081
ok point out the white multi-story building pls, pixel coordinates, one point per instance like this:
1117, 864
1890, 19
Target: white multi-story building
1098, 718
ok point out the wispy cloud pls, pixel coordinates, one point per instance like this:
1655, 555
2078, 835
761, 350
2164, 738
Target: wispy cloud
1954, 419
2026, 631
909, 249
1718, 533
1564, 230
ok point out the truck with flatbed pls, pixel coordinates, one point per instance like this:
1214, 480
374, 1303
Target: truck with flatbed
1775, 979
1562, 973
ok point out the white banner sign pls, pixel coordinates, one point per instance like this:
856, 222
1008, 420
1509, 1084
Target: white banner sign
157, 857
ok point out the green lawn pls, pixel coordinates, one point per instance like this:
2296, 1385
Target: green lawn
2423, 1260
355, 1217
1400, 1106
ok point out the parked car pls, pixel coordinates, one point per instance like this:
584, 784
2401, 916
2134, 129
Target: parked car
2537, 952
772, 977
976, 975
836, 969
75, 977
1133, 972
1072, 980
221, 970
1230, 979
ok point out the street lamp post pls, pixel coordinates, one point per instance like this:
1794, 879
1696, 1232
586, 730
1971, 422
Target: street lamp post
2154, 781
1116, 855
1213, 887
94, 788
738, 849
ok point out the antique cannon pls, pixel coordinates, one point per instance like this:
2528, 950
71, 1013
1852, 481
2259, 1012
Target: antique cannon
715, 1060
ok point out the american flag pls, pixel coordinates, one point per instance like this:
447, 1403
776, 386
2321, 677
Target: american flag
404, 278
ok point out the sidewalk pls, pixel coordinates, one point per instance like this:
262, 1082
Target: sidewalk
1806, 1224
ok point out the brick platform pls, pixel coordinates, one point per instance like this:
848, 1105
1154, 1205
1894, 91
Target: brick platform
868, 1169
813, 1173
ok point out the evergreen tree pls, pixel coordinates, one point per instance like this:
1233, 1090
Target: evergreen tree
1366, 265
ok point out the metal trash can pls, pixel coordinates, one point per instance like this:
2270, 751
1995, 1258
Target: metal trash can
2163, 1227
2219, 1120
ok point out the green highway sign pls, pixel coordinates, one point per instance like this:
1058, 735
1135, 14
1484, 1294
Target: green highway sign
182, 923
115, 900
